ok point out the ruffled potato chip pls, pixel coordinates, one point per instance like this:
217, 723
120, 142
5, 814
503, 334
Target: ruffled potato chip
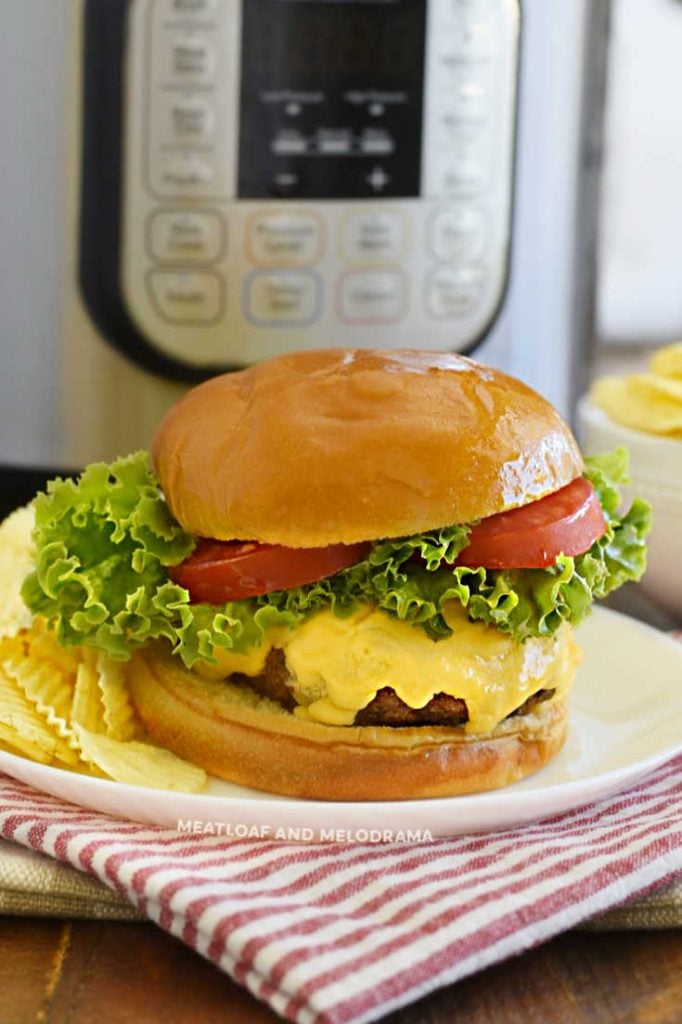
45, 647
16, 561
23, 728
120, 721
87, 725
139, 764
45, 687
87, 709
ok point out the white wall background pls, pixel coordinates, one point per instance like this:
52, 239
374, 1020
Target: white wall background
33, 47
640, 287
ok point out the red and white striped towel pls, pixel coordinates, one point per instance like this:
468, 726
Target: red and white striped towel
337, 933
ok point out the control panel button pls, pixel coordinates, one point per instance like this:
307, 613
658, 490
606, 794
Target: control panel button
284, 183
185, 9
478, 38
190, 58
378, 179
452, 293
453, 12
376, 142
282, 297
470, 7
467, 37
369, 237
451, 123
186, 296
457, 232
284, 238
372, 297
466, 96
186, 120
289, 143
186, 236
334, 142
185, 174
464, 166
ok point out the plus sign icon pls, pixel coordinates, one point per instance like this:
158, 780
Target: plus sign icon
378, 179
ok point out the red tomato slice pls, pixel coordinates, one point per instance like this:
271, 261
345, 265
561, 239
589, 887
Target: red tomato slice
567, 522
219, 571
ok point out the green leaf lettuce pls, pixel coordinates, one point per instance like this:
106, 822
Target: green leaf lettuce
104, 543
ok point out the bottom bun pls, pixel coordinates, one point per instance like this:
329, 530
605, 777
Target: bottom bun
235, 734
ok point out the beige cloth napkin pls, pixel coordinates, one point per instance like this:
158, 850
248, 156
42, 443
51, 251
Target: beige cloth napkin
32, 884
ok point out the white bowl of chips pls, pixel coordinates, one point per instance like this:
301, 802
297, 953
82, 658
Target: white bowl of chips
643, 413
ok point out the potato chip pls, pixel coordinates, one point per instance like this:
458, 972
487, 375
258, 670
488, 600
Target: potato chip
16, 561
139, 764
47, 716
44, 686
45, 647
23, 727
119, 715
14, 646
87, 709
13, 742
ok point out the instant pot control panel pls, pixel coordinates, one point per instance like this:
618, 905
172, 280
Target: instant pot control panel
304, 173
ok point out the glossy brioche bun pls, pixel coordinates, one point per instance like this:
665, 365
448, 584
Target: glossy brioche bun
341, 445
234, 734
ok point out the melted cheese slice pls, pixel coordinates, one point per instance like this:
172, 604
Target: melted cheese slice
250, 663
339, 664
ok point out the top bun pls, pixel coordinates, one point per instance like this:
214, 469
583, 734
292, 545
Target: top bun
342, 445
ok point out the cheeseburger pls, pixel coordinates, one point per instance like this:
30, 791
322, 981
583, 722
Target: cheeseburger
345, 574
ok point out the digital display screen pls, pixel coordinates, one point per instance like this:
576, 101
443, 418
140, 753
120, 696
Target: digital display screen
345, 38
331, 97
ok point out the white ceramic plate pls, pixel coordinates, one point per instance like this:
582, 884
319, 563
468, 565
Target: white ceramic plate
626, 719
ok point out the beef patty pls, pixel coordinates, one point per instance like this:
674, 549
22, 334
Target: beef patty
385, 709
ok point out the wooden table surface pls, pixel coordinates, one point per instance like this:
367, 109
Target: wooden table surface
89, 972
